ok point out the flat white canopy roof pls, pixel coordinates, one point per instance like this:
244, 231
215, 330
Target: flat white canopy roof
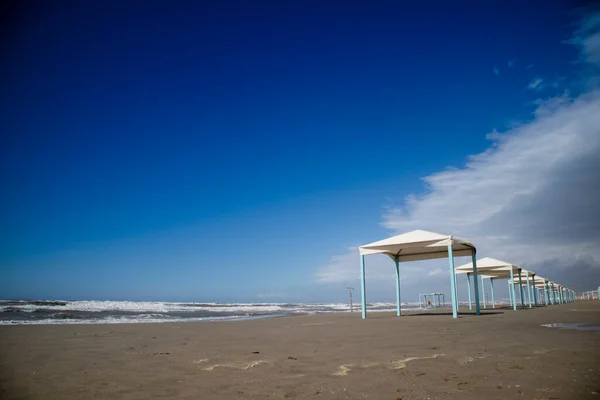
419, 245
489, 266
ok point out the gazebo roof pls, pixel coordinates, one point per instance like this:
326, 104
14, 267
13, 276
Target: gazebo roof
419, 245
488, 264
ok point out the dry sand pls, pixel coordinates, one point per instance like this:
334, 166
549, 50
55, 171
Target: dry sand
505, 355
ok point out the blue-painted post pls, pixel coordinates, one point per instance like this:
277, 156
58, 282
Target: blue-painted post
397, 286
483, 292
469, 291
492, 290
529, 296
534, 291
456, 286
510, 299
521, 290
512, 289
562, 299
363, 287
475, 284
452, 281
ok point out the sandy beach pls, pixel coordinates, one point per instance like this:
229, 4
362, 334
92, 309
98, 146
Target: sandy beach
502, 354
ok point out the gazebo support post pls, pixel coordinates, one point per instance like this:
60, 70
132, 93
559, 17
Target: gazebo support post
521, 289
363, 287
510, 300
512, 289
456, 288
469, 291
534, 291
452, 281
562, 299
529, 291
475, 284
492, 290
397, 286
483, 292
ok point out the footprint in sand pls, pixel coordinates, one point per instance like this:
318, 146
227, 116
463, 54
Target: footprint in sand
234, 365
393, 365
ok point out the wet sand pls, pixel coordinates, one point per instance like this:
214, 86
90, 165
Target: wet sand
500, 355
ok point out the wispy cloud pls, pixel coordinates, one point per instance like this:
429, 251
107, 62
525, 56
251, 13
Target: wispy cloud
535, 84
530, 66
512, 62
587, 39
436, 271
496, 70
531, 197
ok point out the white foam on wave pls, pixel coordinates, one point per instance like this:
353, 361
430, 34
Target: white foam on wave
149, 307
140, 319
166, 307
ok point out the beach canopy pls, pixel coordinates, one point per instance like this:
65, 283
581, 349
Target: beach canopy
419, 245
488, 264
495, 269
416, 246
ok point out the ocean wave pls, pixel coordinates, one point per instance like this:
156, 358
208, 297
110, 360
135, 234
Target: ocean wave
94, 306
139, 319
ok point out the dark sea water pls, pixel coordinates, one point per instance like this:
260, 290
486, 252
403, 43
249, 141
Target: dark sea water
17, 312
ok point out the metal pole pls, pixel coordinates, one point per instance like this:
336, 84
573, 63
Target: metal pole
534, 291
469, 290
397, 286
475, 284
350, 289
521, 289
363, 287
452, 281
483, 292
492, 289
528, 291
512, 289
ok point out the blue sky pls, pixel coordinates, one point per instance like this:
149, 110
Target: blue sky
229, 151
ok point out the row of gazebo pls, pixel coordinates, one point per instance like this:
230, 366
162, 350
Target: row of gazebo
423, 245
533, 289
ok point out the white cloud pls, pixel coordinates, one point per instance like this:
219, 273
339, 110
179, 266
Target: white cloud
496, 70
587, 39
531, 197
436, 271
345, 268
535, 84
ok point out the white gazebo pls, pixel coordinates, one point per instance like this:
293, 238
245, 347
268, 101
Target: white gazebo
415, 246
494, 269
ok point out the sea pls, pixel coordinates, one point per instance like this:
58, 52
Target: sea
43, 312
